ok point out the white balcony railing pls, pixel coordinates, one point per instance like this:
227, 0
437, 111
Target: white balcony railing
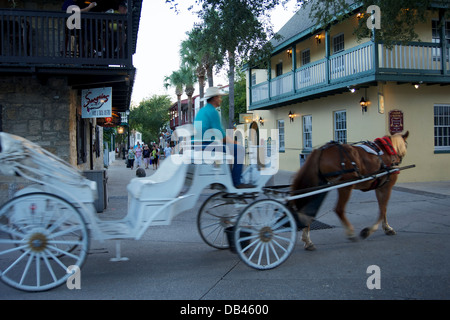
348, 63
415, 56
282, 84
310, 75
351, 65
260, 92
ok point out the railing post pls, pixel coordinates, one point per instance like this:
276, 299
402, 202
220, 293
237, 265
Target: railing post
294, 66
443, 43
250, 86
269, 80
327, 56
129, 38
375, 52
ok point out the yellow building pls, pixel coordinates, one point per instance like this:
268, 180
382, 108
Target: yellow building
324, 85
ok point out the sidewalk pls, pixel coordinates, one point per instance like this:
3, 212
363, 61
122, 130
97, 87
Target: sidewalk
119, 176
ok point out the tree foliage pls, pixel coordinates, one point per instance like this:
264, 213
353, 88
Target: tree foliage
398, 18
239, 32
151, 116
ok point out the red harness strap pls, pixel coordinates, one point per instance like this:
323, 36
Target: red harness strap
386, 143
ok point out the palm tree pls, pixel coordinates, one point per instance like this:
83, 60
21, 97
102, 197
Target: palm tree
176, 80
200, 52
189, 80
239, 33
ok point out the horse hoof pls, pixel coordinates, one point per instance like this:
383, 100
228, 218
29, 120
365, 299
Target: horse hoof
352, 238
364, 233
390, 232
310, 247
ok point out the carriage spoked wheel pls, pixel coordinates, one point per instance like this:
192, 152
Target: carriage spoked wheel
216, 214
265, 234
42, 238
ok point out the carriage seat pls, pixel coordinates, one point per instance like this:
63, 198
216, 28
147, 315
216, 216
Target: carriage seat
165, 183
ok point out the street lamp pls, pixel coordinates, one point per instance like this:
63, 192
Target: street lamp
128, 124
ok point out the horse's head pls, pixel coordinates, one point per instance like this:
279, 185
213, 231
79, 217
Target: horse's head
399, 144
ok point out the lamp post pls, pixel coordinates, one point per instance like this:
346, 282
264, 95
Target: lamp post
128, 125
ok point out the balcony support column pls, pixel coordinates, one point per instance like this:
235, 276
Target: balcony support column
376, 62
294, 66
443, 43
327, 55
250, 85
269, 78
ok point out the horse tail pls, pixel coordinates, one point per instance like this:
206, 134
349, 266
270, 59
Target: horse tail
307, 177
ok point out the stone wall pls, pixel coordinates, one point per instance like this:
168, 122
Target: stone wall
38, 111
44, 111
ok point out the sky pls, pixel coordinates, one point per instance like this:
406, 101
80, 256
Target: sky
161, 32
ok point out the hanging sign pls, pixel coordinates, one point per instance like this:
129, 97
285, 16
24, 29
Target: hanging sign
245, 117
96, 103
395, 121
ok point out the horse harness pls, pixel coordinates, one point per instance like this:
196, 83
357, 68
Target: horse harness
378, 147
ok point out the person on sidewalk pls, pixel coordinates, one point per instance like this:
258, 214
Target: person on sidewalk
208, 118
154, 157
131, 157
138, 155
167, 151
146, 154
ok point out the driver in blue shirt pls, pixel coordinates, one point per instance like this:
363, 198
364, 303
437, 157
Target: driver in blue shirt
208, 118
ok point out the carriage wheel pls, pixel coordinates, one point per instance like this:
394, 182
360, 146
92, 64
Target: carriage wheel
265, 234
41, 236
216, 214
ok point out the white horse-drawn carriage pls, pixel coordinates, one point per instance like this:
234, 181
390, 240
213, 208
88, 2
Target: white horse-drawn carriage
45, 229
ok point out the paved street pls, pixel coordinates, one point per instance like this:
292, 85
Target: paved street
172, 262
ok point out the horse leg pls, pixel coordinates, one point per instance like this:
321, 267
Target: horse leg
383, 195
309, 245
388, 230
344, 196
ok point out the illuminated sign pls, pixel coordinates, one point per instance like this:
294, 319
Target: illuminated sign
96, 103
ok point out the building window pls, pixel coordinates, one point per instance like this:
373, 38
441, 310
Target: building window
280, 127
436, 37
338, 63
442, 128
340, 126
307, 132
436, 31
305, 74
279, 69
338, 43
306, 57
253, 79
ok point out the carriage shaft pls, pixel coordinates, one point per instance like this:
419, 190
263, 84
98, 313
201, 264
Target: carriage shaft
346, 184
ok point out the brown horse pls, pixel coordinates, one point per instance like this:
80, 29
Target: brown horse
335, 162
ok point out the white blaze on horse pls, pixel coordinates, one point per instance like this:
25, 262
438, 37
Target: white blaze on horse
336, 162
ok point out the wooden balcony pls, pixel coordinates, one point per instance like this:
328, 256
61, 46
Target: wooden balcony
42, 38
98, 53
358, 66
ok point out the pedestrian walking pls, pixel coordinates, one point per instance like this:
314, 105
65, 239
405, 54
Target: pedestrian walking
146, 155
154, 157
131, 157
138, 155
167, 151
